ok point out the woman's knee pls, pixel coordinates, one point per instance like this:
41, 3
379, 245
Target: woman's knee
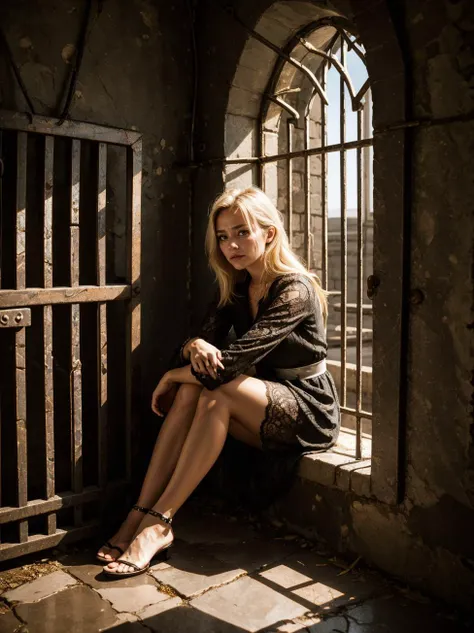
209, 398
188, 395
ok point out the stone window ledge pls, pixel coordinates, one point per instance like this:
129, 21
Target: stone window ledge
338, 468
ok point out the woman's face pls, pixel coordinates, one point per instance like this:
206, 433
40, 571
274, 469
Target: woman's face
240, 244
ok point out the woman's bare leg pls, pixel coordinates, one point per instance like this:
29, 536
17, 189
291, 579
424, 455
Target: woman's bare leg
163, 461
244, 400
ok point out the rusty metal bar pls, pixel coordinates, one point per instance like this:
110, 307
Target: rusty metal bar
260, 160
360, 259
38, 507
289, 182
1, 225
352, 46
48, 326
40, 542
134, 186
314, 151
79, 294
342, 123
355, 98
75, 129
76, 368
20, 335
102, 313
324, 188
307, 194
15, 317
357, 414
286, 106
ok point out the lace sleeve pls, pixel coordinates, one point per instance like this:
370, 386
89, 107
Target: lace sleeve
214, 328
294, 301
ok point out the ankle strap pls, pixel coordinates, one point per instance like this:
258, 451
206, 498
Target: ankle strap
160, 516
141, 509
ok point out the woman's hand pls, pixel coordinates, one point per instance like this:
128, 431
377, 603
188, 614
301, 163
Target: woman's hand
204, 357
162, 393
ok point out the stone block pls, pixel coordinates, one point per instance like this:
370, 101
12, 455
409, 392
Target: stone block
193, 571
40, 588
78, 609
361, 482
9, 623
175, 616
240, 135
321, 467
94, 576
132, 599
244, 102
249, 605
321, 586
345, 473
394, 614
240, 176
126, 623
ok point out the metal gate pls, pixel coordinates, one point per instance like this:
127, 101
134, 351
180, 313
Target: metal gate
69, 325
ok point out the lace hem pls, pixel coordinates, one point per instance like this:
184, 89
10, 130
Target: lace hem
282, 417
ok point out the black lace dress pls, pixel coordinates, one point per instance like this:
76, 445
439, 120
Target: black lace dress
302, 415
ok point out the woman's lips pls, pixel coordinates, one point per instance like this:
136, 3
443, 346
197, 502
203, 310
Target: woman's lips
237, 256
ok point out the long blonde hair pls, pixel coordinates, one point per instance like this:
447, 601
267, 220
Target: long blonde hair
258, 210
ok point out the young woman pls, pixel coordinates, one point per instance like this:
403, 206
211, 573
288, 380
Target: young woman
277, 310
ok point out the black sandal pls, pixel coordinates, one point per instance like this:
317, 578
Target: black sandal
108, 544
162, 555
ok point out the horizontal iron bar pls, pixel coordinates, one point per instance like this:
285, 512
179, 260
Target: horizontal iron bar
16, 317
48, 296
358, 414
75, 129
314, 151
38, 507
420, 123
39, 542
352, 308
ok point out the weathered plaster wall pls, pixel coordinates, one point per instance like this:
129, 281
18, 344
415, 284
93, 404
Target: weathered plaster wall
428, 537
136, 73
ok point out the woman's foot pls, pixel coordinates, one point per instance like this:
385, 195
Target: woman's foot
117, 545
153, 538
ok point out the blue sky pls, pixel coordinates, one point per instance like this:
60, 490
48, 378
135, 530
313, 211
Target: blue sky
358, 74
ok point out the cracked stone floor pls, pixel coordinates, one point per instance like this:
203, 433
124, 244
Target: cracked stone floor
225, 575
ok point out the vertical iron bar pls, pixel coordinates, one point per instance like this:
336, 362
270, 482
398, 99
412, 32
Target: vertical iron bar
324, 188
307, 194
20, 334
289, 133
76, 369
343, 233
48, 325
367, 133
1, 216
134, 185
360, 255
102, 314
1, 264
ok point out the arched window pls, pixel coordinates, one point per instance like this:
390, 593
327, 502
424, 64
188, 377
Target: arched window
316, 148
298, 122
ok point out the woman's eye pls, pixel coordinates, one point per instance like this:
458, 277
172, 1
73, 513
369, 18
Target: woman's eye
244, 232
221, 238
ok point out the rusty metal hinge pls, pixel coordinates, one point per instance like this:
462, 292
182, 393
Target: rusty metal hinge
16, 317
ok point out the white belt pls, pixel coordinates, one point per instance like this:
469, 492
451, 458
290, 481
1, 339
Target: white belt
303, 373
